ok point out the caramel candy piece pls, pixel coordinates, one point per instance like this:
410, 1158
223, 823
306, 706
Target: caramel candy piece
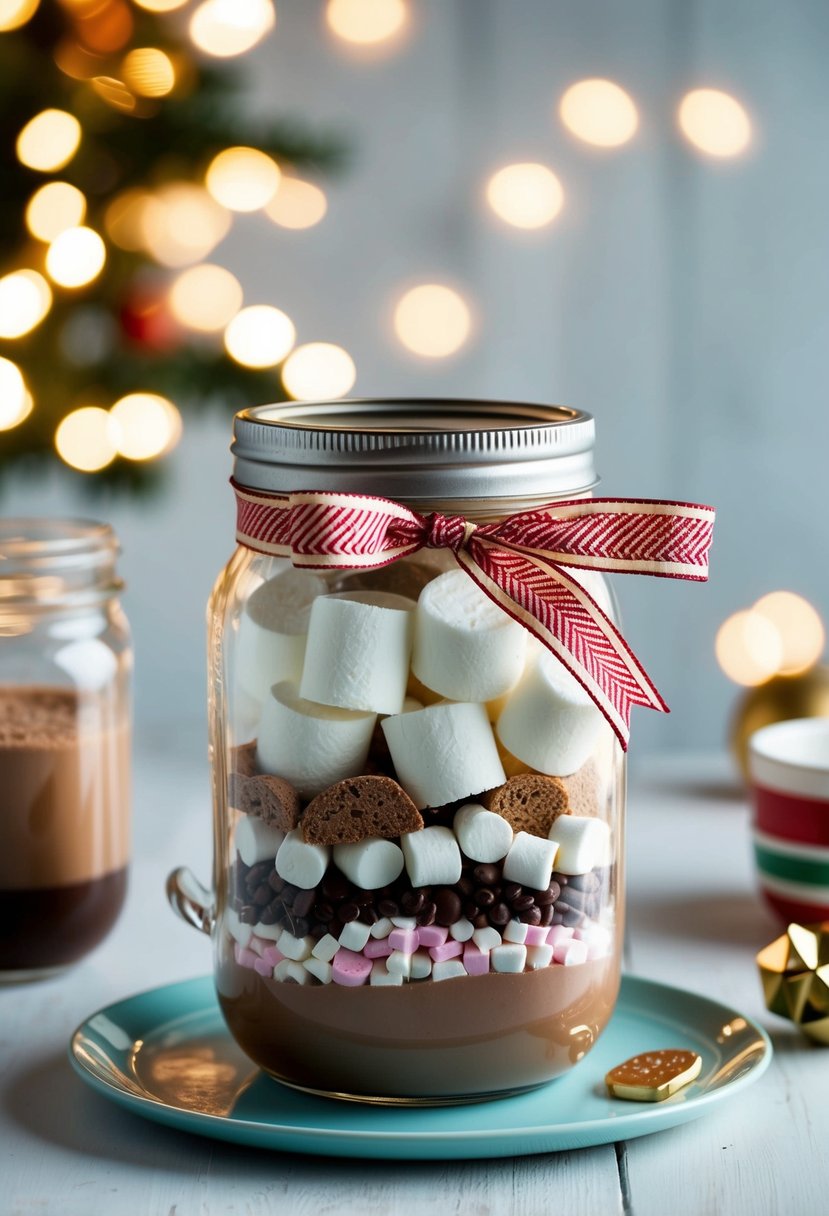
530, 802
653, 1075
273, 800
350, 810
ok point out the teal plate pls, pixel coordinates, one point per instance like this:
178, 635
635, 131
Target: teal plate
167, 1055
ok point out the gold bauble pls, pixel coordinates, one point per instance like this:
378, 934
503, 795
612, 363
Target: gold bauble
781, 698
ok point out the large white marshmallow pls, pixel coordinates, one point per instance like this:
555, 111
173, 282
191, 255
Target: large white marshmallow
272, 630
301, 864
371, 863
311, 745
549, 721
444, 752
465, 647
432, 857
583, 842
483, 835
530, 861
359, 643
256, 841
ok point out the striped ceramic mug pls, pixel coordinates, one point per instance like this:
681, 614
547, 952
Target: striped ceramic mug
789, 778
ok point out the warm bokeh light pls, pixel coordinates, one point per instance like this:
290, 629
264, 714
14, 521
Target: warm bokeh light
599, 112
432, 320
181, 224
205, 297
86, 439
54, 208
749, 648
525, 195
146, 426
25, 299
319, 371
124, 219
115, 93
103, 26
225, 28
15, 400
260, 336
800, 628
49, 140
14, 13
149, 72
160, 6
297, 204
714, 122
242, 179
76, 257
366, 21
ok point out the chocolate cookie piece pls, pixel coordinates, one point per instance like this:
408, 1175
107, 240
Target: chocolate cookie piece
530, 802
273, 799
243, 759
585, 790
357, 807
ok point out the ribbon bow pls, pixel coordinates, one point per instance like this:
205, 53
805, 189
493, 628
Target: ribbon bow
521, 563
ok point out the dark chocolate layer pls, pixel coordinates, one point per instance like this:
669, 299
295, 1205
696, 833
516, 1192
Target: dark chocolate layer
47, 927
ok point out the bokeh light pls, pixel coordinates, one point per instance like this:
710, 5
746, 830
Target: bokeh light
319, 370
205, 297
181, 224
54, 208
124, 219
225, 28
76, 257
749, 648
146, 426
714, 122
260, 336
242, 179
14, 13
149, 72
432, 320
160, 6
86, 439
801, 631
599, 112
366, 22
25, 299
115, 93
525, 195
15, 400
297, 203
49, 140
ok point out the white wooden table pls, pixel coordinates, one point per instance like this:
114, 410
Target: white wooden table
693, 921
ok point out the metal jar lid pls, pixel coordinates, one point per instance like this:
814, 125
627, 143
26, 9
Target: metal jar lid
416, 449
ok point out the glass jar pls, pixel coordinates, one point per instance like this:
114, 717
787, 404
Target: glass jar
418, 812
65, 672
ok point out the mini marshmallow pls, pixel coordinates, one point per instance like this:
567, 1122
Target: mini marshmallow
549, 721
462, 930
509, 959
358, 650
404, 940
404, 922
486, 939
310, 745
558, 934
539, 956
583, 842
257, 945
296, 948
377, 948
272, 630
399, 963
354, 935
326, 948
421, 965
443, 753
516, 931
263, 968
432, 857
245, 957
370, 863
319, 969
596, 936
449, 949
350, 969
255, 840
465, 647
292, 972
570, 952
271, 932
432, 935
272, 956
240, 932
475, 961
381, 928
302, 864
530, 860
483, 835
449, 969
381, 978
536, 935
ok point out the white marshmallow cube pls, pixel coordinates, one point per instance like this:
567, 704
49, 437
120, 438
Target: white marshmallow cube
381, 928
370, 863
240, 932
462, 930
530, 861
359, 643
486, 939
302, 864
515, 931
319, 969
296, 948
288, 970
311, 745
432, 857
326, 948
539, 956
466, 647
449, 969
271, 932
399, 963
255, 840
421, 967
549, 721
444, 752
354, 935
483, 835
509, 959
272, 630
381, 978
403, 922
583, 843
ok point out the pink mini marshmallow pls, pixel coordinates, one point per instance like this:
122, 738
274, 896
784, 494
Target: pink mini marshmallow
404, 940
432, 935
377, 948
570, 952
448, 950
272, 955
558, 934
475, 961
245, 957
536, 935
262, 968
350, 969
257, 945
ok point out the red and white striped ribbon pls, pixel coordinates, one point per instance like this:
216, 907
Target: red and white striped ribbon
520, 563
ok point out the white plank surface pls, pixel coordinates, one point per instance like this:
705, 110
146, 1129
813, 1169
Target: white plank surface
693, 921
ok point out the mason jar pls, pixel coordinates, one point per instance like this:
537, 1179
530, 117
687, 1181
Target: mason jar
65, 674
418, 880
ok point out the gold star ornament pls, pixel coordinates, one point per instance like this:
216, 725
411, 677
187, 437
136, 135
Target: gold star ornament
794, 970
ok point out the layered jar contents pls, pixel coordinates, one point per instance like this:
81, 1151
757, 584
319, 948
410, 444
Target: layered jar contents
419, 899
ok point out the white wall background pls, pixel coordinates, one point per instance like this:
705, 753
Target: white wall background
683, 301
